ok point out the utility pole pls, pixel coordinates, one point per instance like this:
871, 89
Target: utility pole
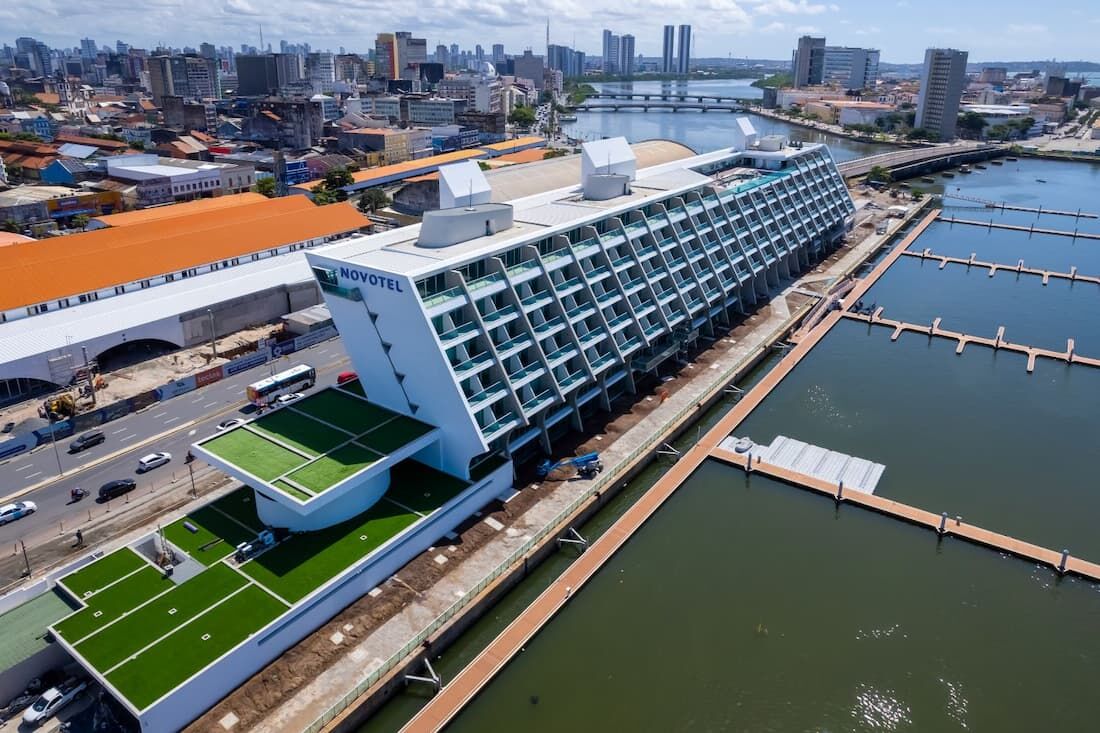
26, 559
213, 334
88, 372
53, 440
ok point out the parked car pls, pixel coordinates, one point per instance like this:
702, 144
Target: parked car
153, 460
118, 487
86, 441
8, 427
18, 510
230, 424
288, 398
50, 701
345, 377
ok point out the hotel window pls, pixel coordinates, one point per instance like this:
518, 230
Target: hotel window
120, 289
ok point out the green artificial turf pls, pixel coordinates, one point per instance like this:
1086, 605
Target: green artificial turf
112, 602
241, 505
354, 387
294, 491
258, 456
422, 488
216, 537
103, 571
300, 431
393, 435
328, 470
134, 632
295, 568
173, 660
344, 411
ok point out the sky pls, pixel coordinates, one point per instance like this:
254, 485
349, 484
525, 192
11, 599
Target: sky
1005, 30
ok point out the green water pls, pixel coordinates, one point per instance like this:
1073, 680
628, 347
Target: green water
776, 612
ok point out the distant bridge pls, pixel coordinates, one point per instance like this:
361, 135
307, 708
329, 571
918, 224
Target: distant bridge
667, 97
915, 161
657, 105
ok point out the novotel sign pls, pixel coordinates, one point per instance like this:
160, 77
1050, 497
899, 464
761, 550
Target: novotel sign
372, 279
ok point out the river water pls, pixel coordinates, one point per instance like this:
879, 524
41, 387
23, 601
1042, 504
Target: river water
748, 605
701, 131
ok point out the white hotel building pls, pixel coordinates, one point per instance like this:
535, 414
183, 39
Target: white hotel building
507, 323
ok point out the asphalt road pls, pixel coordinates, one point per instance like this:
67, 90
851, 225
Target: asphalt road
166, 426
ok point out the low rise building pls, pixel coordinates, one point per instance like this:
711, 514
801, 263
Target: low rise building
164, 180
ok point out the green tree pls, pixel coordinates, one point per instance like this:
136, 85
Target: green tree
372, 200
917, 194
265, 186
81, 220
14, 171
522, 117
880, 174
323, 196
484, 166
554, 153
338, 178
919, 133
972, 124
137, 144
1000, 132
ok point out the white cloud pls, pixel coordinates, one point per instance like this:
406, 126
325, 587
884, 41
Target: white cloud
787, 7
871, 30
775, 27
240, 7
1027, 28
807, 29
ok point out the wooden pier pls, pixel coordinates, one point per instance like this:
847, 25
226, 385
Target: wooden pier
995, 267
1015, 227
933, 330
456, 694
940, 523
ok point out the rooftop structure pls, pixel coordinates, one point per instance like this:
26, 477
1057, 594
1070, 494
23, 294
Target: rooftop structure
59, 273
187, 208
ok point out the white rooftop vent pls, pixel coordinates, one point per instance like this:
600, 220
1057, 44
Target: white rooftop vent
744, 134
606, 160
463, 184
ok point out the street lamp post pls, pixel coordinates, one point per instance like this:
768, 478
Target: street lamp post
53, 440
213, 334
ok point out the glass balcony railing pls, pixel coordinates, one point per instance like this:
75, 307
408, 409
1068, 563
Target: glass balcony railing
442, 297
480, 400
499, 317
573, 381
524, 373
536, 403
464, 369
535, 301
457, 334
565, 352
499, 427
523, 267
603, 361
549, 327
619, 322
513, 345
484, 282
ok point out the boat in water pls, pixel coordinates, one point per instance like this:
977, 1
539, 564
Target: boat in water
979, 166
948, 174
567, 118
1012, 159
964, 168
997, 162
927, 179
1040, 180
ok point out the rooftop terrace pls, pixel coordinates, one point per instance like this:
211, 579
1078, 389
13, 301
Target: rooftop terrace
146, 634
306, 448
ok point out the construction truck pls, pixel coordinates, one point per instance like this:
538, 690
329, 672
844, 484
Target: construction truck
587, 465
58, 407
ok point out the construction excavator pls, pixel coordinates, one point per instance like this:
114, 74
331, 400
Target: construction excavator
587, 465
58, 407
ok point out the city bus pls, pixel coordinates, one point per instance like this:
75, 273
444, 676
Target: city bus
261, 392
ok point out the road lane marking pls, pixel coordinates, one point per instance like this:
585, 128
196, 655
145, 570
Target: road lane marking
161, 414
120, 430
171, 419
32, 475
210, 404
128, 437
25, 468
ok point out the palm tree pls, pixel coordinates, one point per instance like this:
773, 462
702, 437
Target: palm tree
880, 174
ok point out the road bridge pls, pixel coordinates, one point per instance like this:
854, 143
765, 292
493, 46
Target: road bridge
667, 97
674, 106
908, 162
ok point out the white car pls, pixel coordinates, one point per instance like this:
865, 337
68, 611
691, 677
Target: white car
288, 398
230, 424
18, 510
153, 460
50, 701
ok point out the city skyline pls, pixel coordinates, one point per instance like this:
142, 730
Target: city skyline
750, 28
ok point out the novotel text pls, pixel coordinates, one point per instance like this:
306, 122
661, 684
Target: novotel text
375, 281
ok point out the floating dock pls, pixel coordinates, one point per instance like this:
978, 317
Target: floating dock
1001, 205
1016, 228
857, 474
995, 267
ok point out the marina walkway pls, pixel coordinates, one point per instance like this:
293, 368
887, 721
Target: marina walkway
933, 330
457, 694
994, 267
1014, 227
938, 522
1002, 206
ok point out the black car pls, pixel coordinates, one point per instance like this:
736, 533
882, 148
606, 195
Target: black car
85, 441
111, 489
8, 427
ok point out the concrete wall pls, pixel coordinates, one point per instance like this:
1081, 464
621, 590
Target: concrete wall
205, 689
239, 313
13, 680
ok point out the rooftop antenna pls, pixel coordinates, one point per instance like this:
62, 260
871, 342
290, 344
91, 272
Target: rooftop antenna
470, 200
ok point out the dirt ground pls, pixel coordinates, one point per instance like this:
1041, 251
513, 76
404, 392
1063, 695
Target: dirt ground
150, 374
